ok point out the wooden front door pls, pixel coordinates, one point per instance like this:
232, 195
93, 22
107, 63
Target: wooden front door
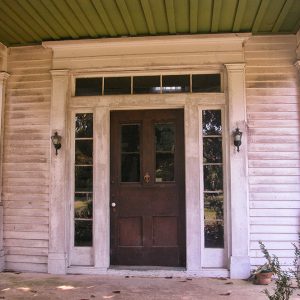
147, 188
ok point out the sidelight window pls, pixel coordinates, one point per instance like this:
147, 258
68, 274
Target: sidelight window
83, 198
213, 179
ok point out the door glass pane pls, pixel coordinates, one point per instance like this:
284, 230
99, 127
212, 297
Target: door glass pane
165, 152
130, 153
83, 207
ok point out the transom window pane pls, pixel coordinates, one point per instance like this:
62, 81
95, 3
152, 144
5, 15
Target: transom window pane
88, 86
176, 83
213, 179
130, 152
117, 85
146, 85
206, 83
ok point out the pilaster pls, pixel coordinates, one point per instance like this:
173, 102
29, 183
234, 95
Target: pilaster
192, 188
238, 168
3, 78
57, 257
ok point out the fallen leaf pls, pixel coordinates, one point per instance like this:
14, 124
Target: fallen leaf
116, 292
168, 277
230, 282
225, 294
189, 278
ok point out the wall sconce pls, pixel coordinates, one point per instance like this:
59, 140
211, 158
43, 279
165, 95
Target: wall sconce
237, 138
56, 141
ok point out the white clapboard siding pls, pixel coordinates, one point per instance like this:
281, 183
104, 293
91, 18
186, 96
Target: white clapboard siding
26, 159
273, 116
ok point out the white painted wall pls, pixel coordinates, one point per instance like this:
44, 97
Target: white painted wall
273, 112
26, 169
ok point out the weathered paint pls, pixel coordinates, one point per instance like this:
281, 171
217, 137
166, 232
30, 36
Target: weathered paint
264, 202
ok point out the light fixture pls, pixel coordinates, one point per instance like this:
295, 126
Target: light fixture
56, 141
237, 138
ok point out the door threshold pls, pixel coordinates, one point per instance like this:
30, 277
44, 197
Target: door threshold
147, 268
148, 271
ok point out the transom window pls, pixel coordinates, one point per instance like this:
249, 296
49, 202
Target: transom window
158, 84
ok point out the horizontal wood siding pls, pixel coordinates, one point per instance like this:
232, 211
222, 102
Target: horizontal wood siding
26, 159
273, 98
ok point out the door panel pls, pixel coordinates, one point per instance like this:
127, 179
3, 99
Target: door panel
147, 188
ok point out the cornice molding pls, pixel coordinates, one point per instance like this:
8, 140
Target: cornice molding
167, 41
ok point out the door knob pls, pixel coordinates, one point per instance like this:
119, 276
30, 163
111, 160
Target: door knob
113, 204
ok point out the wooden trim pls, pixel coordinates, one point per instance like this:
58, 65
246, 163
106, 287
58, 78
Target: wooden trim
240, 260
3, 77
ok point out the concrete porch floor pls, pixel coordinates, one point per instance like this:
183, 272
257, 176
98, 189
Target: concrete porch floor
82, 287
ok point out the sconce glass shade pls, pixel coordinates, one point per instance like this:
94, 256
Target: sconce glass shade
237, 139
56, 141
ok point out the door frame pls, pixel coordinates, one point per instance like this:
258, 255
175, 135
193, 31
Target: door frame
191, 104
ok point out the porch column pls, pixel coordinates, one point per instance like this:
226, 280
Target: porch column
238, 168
57, 260
3, 78
192, 187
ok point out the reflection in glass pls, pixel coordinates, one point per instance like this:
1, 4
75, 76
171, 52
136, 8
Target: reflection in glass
130, 153
164, 167
206, 83
213, 206
165, 150
84, 152
211, 122
214, 220
175, 83
130, 138
83, 206
83, 233
214, 234
146, 84
212, 150
213, 178
165, 137
83, 179
84, 126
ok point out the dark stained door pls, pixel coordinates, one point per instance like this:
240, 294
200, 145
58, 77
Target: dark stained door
147, 188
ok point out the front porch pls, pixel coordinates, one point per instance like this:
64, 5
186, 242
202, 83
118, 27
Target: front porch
44, 286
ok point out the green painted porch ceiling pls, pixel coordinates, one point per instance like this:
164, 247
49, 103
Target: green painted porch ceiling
25, 22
